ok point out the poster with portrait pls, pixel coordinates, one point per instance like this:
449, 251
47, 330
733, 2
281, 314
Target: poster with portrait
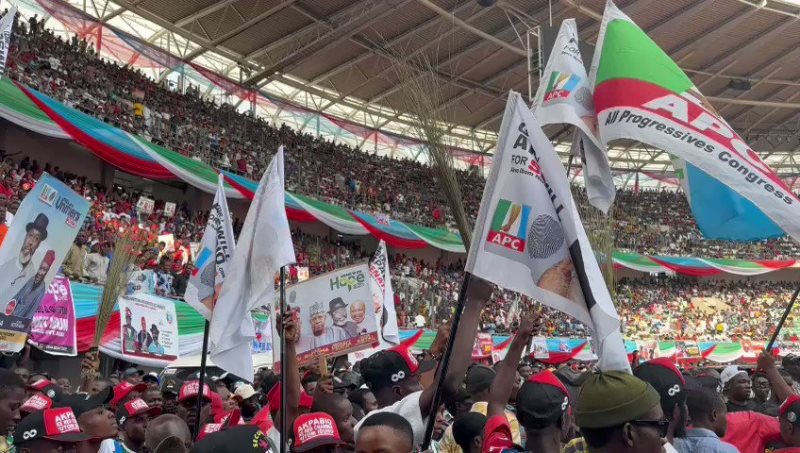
332, 314
482, 348
145, 205
148, 328
44, 227
539, 348
262, 343
53, 328
169, 209
687, 349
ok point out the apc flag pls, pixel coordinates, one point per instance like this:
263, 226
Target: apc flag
565, 96
265, 245
529, 238
641, 94
6, 22
380, 285
214, 256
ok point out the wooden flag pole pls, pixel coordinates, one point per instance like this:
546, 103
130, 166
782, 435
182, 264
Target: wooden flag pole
783, 320
284, 429
201, 381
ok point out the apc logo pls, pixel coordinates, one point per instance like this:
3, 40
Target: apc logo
509, 225
561, 85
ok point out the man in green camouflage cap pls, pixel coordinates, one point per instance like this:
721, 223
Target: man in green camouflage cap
619, 413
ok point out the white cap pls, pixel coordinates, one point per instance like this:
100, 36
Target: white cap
244, 391
729, 373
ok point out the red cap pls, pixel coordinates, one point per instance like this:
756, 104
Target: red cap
136, 407
668, 364
191, 389
123, 389
37, 402
263, 420
306, 400
208, 428
790, 410
315, 430
547, 377
49, 257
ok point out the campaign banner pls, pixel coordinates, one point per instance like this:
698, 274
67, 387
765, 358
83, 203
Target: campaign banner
148, 328
53, 329
482, 348
145, 205
169, 209
333, 315
539, 347
43, 230
262, 343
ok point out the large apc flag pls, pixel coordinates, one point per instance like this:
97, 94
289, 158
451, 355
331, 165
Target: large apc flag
565, 96
529, 238
641, 94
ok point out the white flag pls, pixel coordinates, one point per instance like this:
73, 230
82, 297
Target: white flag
565, 96
265, 245
529, 238
6, 22
380, 285
214, 257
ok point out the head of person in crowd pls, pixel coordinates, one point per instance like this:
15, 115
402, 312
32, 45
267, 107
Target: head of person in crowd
12, 395
45, 387
167, 433
459, 403
393, 373
761, 388
247, 399
151, 380
92, 413
99, 385
23, 373
385, 432
341, 411
664, 376
346, 381
364, 399
132, 419
169, 393
153, 398
525, 371
791, 363
125, 391
707, 410
187, 403
316, 432
468, 431
620, 413
309, 381
235, 439
789, 419
543, 410
65, 384
50, 431
736, 385
708, 378
477, 382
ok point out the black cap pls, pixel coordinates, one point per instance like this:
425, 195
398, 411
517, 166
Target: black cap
59, 425
541, 400
83, 402
336, 303
478, 379
237, 439
664, 376
172, 385
390, 366
347, 379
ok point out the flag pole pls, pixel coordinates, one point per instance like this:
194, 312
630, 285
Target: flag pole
201, 381
783, 319
284, 429
445, 362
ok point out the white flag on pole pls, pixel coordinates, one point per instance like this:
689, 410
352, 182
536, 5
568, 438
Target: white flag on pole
6, 22
529, 238
565, 96
265, 245
213, 258
380, 285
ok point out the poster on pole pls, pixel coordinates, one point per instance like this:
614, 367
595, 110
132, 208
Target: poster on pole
333, 315
262, 344
43, 230
148, 328
169, 209
145, 205
53, 328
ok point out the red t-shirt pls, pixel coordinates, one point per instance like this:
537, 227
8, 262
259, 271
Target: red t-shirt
497, 435
750, 432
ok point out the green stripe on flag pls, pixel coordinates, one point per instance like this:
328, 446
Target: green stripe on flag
336, 211
438, 237
14, 99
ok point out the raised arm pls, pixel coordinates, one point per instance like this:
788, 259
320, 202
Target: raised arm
767, 363
293, 385
503, 382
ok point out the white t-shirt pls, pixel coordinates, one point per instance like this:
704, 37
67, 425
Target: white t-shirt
407, 408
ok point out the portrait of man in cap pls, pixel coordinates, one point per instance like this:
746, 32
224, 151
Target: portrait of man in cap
338, 311
15, 273
27, 300
321, 334
128, 332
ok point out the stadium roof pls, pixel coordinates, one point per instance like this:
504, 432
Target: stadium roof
338, 57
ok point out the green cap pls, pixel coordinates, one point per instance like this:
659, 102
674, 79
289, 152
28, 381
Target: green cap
613, 398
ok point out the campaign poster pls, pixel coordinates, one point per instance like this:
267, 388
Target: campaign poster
37, 242
687, 349
262, 344
148, 327
540, 350
169, 209
332, 313
482, 348
145, 205
53, 327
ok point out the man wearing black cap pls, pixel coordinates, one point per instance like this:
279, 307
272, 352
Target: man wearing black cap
49, 431
393, 374
17, 271
543, 410
169, 393
338, 311
670, 384
93, 416
237, 439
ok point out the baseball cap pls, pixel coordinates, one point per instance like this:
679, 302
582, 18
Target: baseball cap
133, 408
664, 376
123, 389
478, 378
59, 425
132, 371
152, 377
47, 388
613, 398
236, 439
790, 409
172, 386
390, 366
83, 402
37, 402
790, 360
244, 391
191, 389
315, 430
347, 379
729, 373
541, 400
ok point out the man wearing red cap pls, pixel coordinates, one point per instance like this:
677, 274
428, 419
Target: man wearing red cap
27, 300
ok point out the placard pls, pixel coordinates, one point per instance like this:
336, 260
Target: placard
53, 327
145, 205
148, 327
169, 209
